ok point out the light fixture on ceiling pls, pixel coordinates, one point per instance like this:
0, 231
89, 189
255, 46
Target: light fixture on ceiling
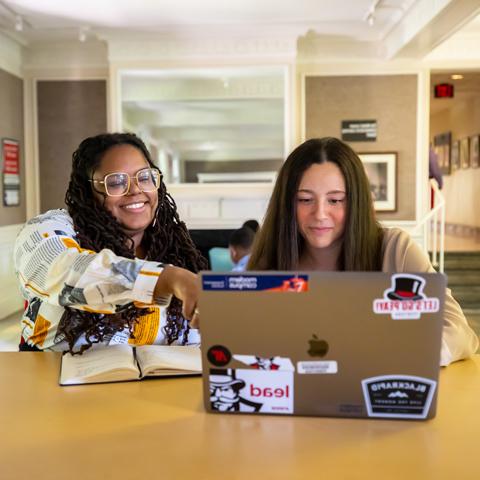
456, 76
369, 17
18, 23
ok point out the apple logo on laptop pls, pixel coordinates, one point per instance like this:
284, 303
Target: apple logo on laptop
318, 348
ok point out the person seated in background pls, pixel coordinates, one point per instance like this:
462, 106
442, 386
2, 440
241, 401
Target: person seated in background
240, 246
116, 267
321, 217
252, 224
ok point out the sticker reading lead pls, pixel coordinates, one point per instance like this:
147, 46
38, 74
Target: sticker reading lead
251, 391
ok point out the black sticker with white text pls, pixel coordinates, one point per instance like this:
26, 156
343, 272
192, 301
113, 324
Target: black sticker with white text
398, 396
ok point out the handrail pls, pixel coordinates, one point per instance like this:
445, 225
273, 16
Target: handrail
432, 230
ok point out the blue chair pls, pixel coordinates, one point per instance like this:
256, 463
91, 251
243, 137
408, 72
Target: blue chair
220, 260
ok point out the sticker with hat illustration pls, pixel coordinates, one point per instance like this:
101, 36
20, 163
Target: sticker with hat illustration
405, 299
250, 391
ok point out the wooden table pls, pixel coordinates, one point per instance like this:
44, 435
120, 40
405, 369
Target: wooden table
158, 429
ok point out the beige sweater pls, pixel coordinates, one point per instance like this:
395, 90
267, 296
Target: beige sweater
402, 254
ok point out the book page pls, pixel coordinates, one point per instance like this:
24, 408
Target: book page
169, 360
99, 364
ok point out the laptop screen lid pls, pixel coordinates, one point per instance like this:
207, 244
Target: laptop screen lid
353, 344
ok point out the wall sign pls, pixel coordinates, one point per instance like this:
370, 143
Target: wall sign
11, 172
443, 90
359, 130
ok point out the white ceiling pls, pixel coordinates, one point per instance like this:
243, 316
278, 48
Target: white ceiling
47, 19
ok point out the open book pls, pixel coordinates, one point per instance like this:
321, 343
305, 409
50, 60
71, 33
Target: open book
118, 363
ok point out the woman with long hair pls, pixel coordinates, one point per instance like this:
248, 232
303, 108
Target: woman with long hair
321, 217
117, 265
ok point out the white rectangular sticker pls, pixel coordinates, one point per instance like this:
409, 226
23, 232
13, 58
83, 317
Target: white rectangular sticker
317, 367
251, 391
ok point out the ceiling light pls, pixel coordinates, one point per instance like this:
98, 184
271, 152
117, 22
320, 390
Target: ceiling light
456, 76
18, 23
369, 16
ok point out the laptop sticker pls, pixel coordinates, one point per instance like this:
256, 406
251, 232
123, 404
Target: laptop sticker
266, 363
398, 396
219, 355
317, 367
251, 391
256, 283
405, 299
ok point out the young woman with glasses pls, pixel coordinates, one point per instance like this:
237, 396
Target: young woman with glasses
321, 217
115, 267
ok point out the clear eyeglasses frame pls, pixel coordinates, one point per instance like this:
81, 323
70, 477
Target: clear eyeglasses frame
118, 184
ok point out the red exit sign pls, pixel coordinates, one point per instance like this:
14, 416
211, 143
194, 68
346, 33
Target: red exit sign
443, 90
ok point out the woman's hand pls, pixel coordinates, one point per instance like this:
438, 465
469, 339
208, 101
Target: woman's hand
185, 285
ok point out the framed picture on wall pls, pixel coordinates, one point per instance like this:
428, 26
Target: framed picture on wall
455, 158
464, 153
381, 170
441, 146
474, 151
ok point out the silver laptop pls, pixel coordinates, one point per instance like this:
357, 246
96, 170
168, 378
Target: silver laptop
340, 344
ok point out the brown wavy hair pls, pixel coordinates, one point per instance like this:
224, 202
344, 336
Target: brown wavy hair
166, 240
279, 245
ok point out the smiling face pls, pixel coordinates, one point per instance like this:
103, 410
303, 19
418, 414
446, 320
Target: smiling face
135, 210
321, 206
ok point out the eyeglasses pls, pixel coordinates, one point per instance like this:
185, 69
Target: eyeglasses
118, 184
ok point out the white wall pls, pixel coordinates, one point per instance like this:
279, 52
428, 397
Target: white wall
220, 205
461, 191
10, 298
10, 55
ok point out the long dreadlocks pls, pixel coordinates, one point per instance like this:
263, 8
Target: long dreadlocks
166, 240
